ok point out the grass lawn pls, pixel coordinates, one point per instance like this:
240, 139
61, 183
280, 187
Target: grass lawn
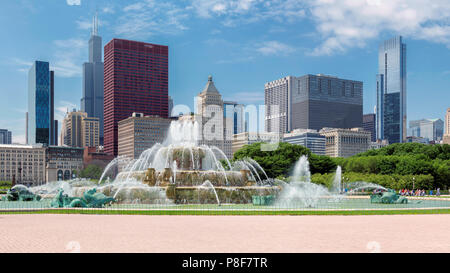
230, 212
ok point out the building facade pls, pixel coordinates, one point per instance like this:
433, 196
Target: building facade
95, 156
40, 122
369, 124
391, 91
90, 132
92, 100
447, 127
234, 113
63, 162
415, 139
139, 133
5, 136
308, 138
345, 142
135, 80
431, 129
312, 102
247, 138
26, 164
79, 130
213, 123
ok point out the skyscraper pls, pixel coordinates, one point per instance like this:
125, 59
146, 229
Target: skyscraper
369, 124
430, 129
92, 100
235, 113
79, 130
5, 136
41, 125
313, 102
214, 130
447, 127
136, 80
391, 91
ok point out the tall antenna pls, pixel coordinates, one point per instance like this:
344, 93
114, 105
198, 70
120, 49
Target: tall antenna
95, 25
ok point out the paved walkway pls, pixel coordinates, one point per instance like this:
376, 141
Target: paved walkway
127, 233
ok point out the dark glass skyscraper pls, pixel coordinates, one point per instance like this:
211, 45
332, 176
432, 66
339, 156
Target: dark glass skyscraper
41, 126
136, 80
391, 91
5, 136
369, 124
313, 102
92, 100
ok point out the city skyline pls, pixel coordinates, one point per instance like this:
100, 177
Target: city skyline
241, 54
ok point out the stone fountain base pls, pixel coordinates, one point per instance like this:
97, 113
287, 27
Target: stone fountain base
226, 195
165, 177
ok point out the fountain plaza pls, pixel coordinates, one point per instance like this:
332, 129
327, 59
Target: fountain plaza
181, 174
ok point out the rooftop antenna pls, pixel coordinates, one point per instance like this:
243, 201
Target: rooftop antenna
95, 24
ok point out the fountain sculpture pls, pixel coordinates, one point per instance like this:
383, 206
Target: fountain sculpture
91, 199
21, 193
388, 197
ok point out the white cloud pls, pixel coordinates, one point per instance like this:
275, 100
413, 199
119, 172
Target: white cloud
62, 108
351, 23
275, 48
246, 97
87, 23
68, 57
147, 18
73, 2
235, 12
66, 60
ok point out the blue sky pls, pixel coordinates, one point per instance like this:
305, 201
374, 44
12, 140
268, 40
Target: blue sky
242, 43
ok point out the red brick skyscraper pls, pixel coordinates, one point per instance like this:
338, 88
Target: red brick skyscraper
136, 80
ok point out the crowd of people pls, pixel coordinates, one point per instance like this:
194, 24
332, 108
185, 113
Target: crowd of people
418, 192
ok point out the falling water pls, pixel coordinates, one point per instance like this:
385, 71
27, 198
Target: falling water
337, 181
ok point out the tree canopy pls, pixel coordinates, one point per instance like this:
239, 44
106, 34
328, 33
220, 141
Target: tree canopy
281, 161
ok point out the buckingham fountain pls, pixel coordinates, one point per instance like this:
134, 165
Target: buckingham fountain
182, 171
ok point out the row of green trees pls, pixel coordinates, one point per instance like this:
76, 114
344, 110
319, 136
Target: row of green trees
403, 159
91, 172
280, 162
395, 166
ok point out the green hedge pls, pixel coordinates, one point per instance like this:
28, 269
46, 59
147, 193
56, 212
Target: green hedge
5, 184
393, 181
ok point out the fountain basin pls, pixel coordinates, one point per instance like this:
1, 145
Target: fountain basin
227, 195
167, 176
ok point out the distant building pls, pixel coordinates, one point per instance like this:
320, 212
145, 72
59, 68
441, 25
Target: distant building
369, 124
25, 163
235, 113
446, 138
379, 144
139, 133
308, 138
40, 123
345, 142
5, 136
212, 120
431, 129
136, 80
90, 132
391, 91
63, 162
79, 130
94, 156
415, 139
247, 138
170, 106
312, 102
92, 100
